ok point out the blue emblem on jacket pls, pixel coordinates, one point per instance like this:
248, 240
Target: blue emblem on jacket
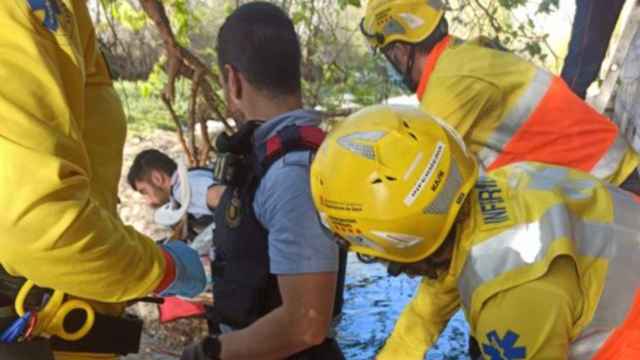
51, 11
505, 348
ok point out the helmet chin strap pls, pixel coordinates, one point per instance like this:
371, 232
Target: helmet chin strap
407, 77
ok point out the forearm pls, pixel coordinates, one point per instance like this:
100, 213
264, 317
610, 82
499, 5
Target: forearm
76, 246
301, 322
421, 321
59, 225
274, 336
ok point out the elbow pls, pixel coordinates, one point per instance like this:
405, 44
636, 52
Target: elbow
311, 331
313, 338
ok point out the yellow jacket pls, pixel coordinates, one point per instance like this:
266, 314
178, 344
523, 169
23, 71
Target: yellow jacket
540, 268
509, 110
61, 144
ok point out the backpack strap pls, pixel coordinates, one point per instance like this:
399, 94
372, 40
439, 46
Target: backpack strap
289, 138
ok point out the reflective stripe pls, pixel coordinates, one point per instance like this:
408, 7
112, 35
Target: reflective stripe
525, 244
610, 162
516, 117
621, 281
436, 4
587, 344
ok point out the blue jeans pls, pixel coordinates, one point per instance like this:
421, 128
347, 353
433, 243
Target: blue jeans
593, 25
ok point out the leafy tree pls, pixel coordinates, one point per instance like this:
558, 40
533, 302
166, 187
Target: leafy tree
339, 73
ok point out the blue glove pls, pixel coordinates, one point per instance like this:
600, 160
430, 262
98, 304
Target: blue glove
190, 279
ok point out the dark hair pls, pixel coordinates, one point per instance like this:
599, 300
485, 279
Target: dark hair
441, 30
149, 160
258, 39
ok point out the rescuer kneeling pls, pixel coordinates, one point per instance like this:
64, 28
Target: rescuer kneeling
539, 257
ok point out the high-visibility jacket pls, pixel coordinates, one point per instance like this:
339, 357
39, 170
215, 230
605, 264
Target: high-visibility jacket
509, 110
61, 139
543, 267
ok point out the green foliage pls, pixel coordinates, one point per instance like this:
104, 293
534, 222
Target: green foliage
510, 22
155, 82
338, 69
182, 19
344, 3
124, 13
511, 4
548, 6
145, 110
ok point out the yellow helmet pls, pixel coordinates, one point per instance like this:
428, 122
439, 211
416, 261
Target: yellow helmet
411, 21
390, 180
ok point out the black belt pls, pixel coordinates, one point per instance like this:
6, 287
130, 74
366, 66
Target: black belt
38, 349
109, 335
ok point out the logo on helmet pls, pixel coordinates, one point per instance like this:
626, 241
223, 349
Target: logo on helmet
432, 165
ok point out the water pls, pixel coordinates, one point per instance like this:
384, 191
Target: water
373, 302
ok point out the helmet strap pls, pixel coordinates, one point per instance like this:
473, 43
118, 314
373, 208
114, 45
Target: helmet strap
407, 77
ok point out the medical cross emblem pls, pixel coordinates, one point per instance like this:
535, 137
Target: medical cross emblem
51, 11
504, 349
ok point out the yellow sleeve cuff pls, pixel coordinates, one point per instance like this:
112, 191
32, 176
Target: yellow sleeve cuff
395, 349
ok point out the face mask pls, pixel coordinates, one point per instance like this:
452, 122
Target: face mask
393, 74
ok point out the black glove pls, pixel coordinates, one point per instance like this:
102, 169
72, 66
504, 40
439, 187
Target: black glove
207, 349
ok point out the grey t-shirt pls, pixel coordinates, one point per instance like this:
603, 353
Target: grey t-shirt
200, 180
283, 205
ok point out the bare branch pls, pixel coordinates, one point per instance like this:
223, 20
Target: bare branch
179, 131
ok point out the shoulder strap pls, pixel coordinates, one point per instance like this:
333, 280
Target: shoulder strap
289, 138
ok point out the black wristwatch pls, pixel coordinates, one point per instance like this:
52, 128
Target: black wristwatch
211, 347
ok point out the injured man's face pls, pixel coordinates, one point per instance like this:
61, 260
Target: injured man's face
155, 195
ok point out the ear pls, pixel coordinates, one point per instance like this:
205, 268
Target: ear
233, 83
159, 178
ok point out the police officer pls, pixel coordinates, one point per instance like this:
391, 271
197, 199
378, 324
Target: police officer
275, 272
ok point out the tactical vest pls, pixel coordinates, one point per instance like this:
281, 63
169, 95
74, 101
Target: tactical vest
244, 289
558, 212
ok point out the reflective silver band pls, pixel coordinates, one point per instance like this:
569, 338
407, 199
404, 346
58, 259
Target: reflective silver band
516, 117
622, 280
610, 162
587, 344
524, 244
521, 245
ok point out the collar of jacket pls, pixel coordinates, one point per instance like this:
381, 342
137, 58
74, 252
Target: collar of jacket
430, 64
